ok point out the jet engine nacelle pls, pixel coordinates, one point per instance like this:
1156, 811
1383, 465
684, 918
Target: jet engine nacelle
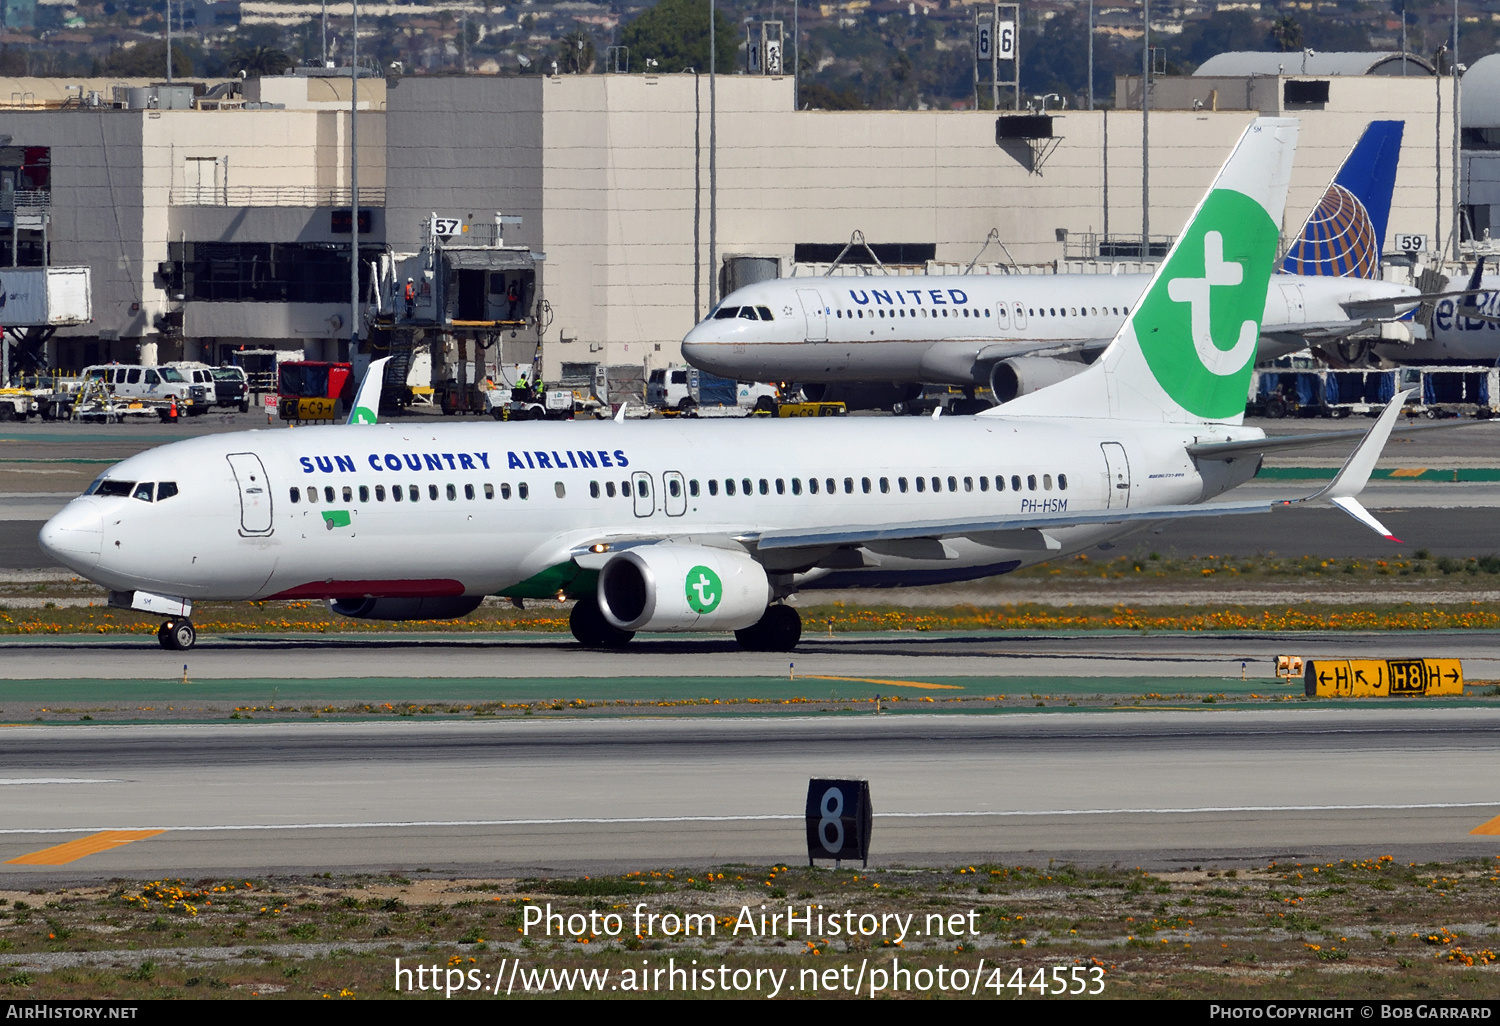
1021, 375
682, 588
447, 607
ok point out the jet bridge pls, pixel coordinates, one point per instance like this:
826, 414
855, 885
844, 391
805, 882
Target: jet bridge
468, 299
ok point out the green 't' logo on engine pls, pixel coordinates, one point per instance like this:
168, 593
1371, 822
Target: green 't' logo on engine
1199, 325
704, 590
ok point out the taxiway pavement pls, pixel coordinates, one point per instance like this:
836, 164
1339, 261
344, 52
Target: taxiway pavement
508, 797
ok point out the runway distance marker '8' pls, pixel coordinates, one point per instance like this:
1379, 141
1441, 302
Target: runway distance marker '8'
72, 851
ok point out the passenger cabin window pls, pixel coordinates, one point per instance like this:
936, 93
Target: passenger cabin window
452, 493
468, 491
432, 492
713, 486
328, 493
380, 493
505, 491
296, 495
693, 488
1031, 482
312, 495
609, 490
364, 493
395, 493
593, 489
523, 490
348, 494
559, 490
413, 493
489, 490
1062, 482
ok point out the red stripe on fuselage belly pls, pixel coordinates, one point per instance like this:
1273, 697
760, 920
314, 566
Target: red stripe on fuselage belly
372, 589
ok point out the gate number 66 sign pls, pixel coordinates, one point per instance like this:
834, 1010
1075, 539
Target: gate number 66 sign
838, 820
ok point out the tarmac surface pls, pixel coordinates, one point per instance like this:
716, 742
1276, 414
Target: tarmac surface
1156, 789
980, 661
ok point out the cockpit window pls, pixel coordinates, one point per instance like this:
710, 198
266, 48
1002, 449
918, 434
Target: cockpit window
748, 313
765, 313
143, 491
166, 490
120, 488
725, 313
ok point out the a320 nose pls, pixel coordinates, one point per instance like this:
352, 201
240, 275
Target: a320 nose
74, 536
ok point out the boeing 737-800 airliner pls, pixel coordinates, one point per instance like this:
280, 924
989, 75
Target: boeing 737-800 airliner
690, 526
1016, 333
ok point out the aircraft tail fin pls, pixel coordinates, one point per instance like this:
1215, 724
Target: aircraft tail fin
367, 401
1345, 233
1186, 351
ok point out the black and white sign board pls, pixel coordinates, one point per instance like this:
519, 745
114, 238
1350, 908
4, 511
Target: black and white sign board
838, 820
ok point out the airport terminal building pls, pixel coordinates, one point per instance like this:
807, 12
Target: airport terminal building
216, 218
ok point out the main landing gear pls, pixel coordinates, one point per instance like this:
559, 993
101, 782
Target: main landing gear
778, 630
591, 628
177, 635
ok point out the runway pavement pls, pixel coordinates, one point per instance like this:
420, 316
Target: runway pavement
985, 655
503, 797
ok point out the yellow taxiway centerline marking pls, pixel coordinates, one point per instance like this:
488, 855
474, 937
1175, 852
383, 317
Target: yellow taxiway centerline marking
1492, 827
72, 851
888, 683
1409, 472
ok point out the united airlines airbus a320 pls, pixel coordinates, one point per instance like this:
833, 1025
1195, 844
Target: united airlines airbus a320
1017, 333
676, 526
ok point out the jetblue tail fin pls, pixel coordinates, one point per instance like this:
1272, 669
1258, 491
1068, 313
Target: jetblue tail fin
1186, 352
1345, 233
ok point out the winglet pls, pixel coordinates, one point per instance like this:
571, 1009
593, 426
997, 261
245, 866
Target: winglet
1355, 473
367, 401
620, 415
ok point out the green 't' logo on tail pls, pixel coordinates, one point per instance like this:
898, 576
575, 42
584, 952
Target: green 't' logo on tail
1198, 325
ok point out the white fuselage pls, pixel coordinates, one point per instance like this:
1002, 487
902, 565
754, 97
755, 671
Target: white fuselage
235, 530
952, 329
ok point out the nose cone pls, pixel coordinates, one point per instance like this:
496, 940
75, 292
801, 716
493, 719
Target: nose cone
704, 348
75, 536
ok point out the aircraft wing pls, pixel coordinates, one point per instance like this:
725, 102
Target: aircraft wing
1228, 450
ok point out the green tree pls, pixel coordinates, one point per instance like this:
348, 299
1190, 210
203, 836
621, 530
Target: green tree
259, 60
148, 60
1286, 34
675, 34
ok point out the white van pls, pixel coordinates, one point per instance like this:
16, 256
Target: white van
133, 381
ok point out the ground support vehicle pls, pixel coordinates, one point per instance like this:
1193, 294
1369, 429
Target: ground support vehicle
689, 390
314, 390
231, 388
528, 404
17, 404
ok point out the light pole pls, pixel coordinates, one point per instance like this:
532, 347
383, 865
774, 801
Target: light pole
697, 201
354, 187
713, 161
1146, 132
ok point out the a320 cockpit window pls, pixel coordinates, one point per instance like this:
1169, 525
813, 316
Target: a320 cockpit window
726, 313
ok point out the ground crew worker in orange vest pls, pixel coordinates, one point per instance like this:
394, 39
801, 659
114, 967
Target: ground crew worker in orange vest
411, 299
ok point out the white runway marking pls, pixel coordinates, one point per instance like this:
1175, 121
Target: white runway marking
625, 821
13, 781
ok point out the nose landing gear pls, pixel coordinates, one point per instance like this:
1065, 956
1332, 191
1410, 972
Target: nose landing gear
177, 635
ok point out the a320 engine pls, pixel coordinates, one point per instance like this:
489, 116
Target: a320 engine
682, 588
446, 607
